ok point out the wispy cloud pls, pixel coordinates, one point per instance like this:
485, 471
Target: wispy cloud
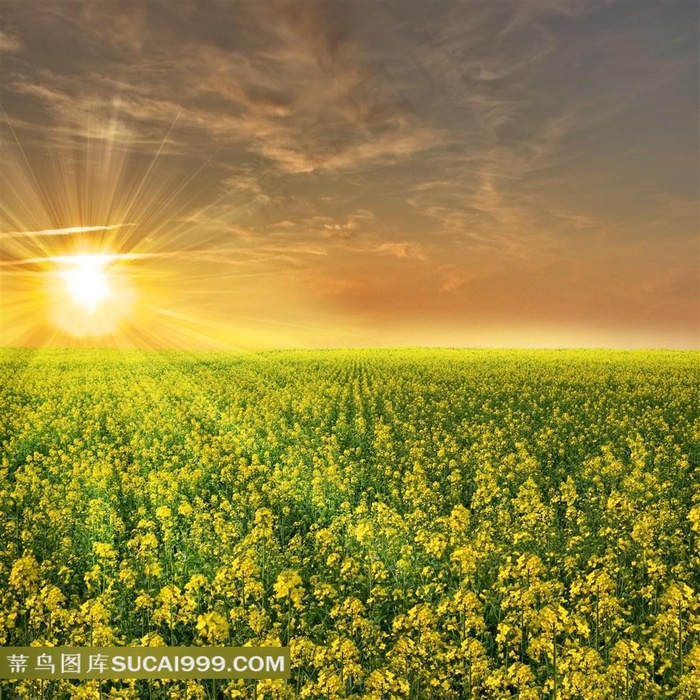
61, 231
9, 43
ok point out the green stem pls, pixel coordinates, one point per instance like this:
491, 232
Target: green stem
680, 637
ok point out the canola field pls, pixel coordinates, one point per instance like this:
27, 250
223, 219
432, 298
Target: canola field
412, 523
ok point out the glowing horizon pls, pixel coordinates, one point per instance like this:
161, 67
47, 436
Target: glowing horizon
323, 175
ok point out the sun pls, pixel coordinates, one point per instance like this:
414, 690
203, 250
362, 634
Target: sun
86, 281
90, 295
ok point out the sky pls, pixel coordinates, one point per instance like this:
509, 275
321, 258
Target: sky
328, 174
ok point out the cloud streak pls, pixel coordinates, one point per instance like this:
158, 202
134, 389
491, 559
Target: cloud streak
70, 230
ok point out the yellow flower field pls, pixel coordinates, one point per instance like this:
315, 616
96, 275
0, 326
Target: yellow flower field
442, 524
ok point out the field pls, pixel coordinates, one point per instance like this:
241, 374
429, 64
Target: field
439, 524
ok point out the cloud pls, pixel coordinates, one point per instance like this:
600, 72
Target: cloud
279, 87
400, 249
9, 43
107, 257
60, 231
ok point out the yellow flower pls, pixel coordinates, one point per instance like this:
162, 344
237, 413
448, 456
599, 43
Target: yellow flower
185, 509
213, 626
104, 550
163, 513
25, 572
290, 585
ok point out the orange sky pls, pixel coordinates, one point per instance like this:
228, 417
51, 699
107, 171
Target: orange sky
310, 174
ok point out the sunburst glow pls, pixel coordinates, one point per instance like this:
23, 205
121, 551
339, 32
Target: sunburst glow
86, 281
89, 295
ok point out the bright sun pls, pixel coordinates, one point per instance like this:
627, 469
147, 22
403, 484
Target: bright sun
90, 295
86, 281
